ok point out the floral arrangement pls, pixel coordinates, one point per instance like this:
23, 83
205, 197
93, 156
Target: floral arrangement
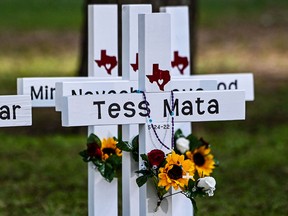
105, 155
187, 168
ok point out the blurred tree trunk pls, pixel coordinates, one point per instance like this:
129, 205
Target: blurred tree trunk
83, 64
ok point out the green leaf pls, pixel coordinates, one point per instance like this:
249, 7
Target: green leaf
178, 134
115, 161
195, 209
109, 172
141, 180
83, 153
106, 170
124, 146
94, 139
144, 157
194, 142
135, 142
97, 162
101, 169
135, 156
144, 172
85, 156
135, 148
190, 184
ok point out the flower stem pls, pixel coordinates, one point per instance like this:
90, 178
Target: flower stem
172, 194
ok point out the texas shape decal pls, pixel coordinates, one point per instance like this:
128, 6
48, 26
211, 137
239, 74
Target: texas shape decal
108, 62
161, 77
180, 62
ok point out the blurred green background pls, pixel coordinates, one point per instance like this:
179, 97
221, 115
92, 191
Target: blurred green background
40, 170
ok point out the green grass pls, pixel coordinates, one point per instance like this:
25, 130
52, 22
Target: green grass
44, 14
42, 175
218, 13
250, 179
67, 14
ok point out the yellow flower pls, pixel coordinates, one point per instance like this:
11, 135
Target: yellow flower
109, 148
203, 160
176, 172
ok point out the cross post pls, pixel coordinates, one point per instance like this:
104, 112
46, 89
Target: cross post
102, 62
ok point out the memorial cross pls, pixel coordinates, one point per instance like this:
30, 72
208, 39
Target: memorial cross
102, 58
130, 13
132, 108
155, 48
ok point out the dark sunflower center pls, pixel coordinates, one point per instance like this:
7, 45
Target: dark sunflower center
108, 151
175, 173
199, 159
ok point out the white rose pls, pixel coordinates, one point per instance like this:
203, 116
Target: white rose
207, 184
182, 145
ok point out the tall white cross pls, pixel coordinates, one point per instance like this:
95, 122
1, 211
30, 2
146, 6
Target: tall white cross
130, 48
112, 109
102, 49
103, 65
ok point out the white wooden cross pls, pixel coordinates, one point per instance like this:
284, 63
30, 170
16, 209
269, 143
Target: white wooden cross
103, 65
112, 109
130, 48
102, 48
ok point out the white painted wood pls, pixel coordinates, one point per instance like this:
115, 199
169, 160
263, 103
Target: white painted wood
130, 190
122, 86
180, 45
15, 110
102, 42
112, 109
101, 191
93, 88
148, 47
188, 84
180, 62
154, 59
237, 81
148, 196
42, 89
102, 39
130, 38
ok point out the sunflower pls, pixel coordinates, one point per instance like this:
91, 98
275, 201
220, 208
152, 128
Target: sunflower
175, 171
203, 160
109, 148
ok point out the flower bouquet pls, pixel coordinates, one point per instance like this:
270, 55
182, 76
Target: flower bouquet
105, 155
187, 168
